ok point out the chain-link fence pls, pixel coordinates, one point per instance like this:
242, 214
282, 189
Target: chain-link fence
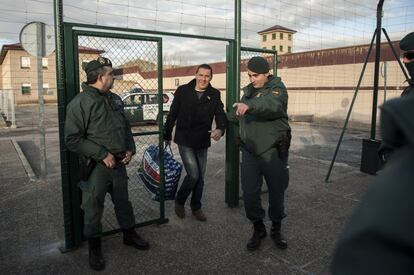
135, 65
245, 56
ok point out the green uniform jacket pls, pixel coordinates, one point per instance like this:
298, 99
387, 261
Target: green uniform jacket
266, 120
95, 124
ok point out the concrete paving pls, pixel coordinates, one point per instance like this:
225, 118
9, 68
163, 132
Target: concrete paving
32, 218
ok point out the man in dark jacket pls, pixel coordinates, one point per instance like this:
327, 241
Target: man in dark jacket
264, 142
193, 109
407, 47
98, 131
379, 238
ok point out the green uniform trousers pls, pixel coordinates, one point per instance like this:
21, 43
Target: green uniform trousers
276, 173
103, 180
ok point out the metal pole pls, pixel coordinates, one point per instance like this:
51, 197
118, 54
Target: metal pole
12, 107
40, 53
384, 75
234, 198
161, 134
350, 109
376, 70
396, 55
233, 95
6, 106
1, 102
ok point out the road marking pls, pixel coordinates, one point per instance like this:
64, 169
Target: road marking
23, 159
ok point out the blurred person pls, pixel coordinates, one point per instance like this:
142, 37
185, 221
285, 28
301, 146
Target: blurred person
379, 237
98, 131
264, 140
192, 111
389, 144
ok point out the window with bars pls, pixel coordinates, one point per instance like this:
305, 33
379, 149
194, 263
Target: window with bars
24, 62
281, 48
264, 37
45, 63
273, 36
26, 88
281, 36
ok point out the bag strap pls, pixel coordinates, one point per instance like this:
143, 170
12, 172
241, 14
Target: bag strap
169, 147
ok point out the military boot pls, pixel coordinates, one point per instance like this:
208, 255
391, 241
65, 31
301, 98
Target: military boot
131, 238
96, 260
258, 234
277, 236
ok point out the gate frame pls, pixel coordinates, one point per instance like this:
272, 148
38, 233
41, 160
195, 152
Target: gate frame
68, 164
69, 161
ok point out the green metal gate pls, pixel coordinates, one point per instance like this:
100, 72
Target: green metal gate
137, 64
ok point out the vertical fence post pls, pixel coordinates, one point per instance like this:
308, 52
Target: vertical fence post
40, 53
12, 109
6, 106
233, 81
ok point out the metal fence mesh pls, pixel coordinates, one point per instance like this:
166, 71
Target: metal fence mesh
135, 69
245, 56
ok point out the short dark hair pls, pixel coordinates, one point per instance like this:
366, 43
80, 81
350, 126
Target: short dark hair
205, 66
93, 75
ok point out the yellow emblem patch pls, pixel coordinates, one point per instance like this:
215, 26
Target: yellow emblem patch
276, 92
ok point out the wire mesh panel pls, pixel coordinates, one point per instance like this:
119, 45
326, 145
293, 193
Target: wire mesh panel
135, 65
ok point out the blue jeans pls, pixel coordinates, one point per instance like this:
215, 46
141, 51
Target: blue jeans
194, 161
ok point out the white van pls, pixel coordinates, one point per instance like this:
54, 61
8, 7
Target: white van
142, 107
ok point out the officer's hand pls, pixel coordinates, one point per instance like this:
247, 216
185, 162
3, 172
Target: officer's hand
241, 109
109, 161
127, 158
216, 134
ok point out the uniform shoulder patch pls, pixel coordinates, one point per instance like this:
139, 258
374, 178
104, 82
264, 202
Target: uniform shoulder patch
276, 91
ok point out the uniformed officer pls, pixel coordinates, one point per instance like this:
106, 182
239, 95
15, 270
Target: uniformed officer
98, 131
264, 142
407, 47
379, 237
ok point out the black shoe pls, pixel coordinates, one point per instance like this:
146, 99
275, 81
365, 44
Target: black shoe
96, 260
277, 236
258, 234
133, 239
179, 210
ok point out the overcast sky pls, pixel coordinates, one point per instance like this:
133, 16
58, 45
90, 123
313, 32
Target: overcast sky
319, 23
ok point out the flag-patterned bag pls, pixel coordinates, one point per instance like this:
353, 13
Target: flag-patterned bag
149, 172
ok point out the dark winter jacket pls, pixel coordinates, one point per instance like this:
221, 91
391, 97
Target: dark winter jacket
379, 238
95, 124
266, 121
410, 89
193, 116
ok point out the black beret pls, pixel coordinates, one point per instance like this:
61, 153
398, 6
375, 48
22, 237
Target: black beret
407, 43
98, 63
258, 65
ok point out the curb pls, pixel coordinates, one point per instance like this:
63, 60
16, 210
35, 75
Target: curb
26, 165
